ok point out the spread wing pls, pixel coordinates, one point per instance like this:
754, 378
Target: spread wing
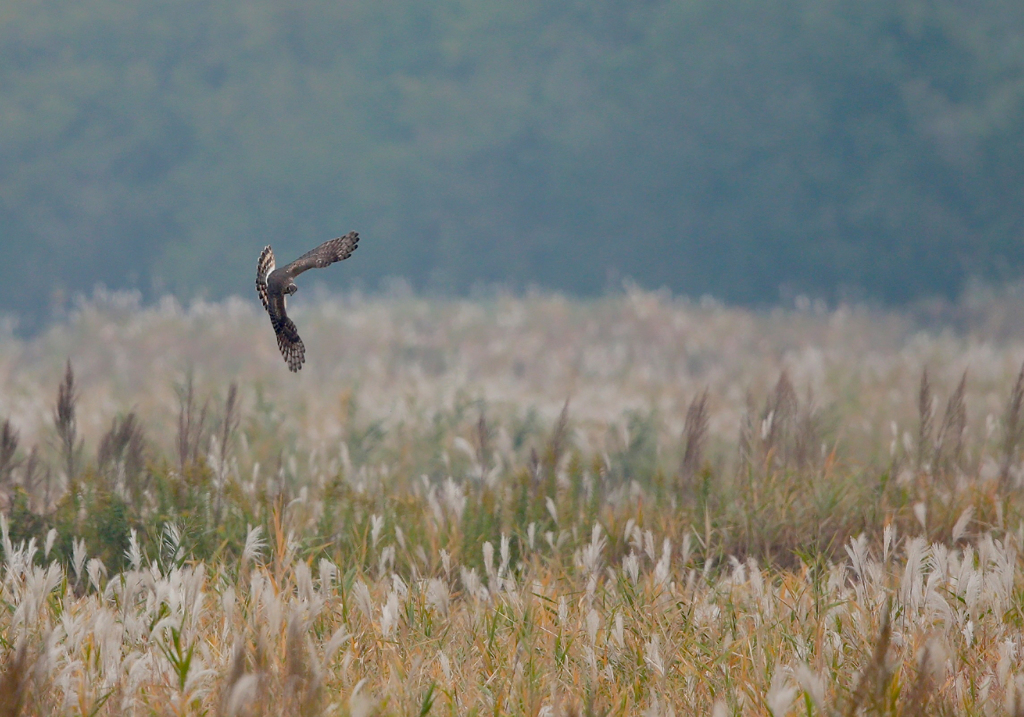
264, 266
324, 255
292, 348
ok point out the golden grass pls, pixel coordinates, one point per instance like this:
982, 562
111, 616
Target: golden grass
417, 524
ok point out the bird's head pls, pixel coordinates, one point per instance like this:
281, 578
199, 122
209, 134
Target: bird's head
291, 288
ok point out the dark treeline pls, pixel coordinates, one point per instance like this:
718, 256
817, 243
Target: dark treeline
872, 148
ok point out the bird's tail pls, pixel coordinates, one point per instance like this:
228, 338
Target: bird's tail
264, 266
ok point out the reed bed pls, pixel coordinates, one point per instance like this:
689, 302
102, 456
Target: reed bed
513, 505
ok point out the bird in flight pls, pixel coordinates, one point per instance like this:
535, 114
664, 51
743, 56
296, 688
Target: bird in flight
273, 285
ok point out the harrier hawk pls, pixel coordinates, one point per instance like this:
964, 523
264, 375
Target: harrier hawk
273, 285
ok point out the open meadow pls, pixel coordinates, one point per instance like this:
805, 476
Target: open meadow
525, 505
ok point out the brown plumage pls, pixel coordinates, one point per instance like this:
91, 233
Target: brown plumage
273, 285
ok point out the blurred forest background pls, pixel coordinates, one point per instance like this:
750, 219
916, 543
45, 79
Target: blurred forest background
841, 148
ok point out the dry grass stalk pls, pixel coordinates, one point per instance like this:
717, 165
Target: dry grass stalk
747, 442
8, 449
230, 697
875, 676
483, 443
29, 480
191, 424
559, 437
695, 434
303, 683
228, 427
65, 421
121, 454
778, 422
1013, 426
949, 444
806, 436
229, 424
925, 413
15, 671
535, 468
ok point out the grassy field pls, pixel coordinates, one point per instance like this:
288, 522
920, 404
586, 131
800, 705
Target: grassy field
514, 505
